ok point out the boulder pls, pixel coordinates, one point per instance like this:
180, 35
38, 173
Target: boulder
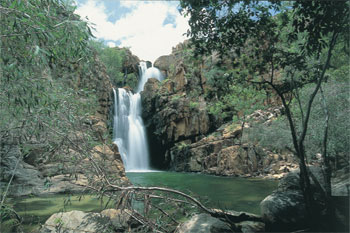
203, 223
285, 210
120, 218
77, 221
164, 63
148, 64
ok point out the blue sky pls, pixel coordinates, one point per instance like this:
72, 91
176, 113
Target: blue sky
149, 28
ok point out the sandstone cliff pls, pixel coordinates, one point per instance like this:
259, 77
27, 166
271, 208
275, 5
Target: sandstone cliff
185, 136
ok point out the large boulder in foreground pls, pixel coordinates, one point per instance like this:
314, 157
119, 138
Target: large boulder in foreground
285, 210
109, 220
77, 221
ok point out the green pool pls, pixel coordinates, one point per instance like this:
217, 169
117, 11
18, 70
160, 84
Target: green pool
220, 192
232, 193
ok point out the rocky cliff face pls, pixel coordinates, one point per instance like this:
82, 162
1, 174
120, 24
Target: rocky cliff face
185, 137
222, 153
173, 110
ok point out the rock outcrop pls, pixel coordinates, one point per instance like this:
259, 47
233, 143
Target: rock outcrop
130, 63
222, 153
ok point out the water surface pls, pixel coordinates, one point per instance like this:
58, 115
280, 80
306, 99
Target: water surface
233, 193
230, 193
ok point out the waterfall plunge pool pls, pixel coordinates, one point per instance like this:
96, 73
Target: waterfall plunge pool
232, 193
239, 194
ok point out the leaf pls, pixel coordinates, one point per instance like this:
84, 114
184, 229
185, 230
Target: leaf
37, 50
13, 5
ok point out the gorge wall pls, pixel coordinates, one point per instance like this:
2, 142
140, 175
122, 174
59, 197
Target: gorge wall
185, 136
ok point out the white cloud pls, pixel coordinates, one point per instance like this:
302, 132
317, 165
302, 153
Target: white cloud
141, 29
111, 44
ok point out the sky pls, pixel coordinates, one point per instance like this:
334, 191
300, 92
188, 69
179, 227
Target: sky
149, 28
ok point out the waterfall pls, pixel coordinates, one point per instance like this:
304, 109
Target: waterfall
128, 129
146, 74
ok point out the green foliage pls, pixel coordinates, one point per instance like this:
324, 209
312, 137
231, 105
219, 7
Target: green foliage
182, 146
175, 98
337, 97
44, 101
38, 49
277, 135
131, 80
113, 59
237, 102
194, 105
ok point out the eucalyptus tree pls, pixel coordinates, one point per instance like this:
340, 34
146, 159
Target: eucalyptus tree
42, 42
297, 38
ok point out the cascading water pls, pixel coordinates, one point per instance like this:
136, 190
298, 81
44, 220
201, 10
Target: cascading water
147, 73
128, 129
